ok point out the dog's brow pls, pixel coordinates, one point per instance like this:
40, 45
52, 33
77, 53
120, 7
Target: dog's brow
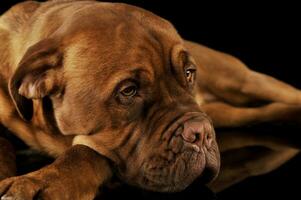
139, 73
145, 73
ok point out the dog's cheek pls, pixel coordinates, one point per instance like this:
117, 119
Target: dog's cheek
72, 119
123, 115
136, 111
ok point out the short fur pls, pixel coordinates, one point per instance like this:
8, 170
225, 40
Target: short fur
64, 69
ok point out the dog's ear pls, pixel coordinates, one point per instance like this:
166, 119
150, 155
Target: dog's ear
37, 75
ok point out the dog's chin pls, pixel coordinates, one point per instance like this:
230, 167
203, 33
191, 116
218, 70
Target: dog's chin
162, 175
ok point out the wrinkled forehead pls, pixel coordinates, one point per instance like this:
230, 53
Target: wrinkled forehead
120, 45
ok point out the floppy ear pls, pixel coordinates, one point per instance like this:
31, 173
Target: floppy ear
37, 75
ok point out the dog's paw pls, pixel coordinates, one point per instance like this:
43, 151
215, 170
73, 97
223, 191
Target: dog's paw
45, 184
23, 188
41, 185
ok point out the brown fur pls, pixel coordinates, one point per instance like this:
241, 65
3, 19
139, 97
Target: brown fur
63, 67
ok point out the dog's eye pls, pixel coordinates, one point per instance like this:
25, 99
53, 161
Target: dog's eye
190, 74
129, 90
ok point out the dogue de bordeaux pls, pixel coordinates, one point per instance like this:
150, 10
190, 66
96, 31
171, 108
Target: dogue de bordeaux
114, 92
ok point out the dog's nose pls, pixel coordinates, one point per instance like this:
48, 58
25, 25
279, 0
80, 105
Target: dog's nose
197, 132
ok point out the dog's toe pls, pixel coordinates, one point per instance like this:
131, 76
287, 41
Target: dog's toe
19, 188
4, 186
6, 197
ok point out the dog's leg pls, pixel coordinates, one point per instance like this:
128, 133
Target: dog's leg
262, 86
7, 158
229, 79
77, 174
232, 116
229, 140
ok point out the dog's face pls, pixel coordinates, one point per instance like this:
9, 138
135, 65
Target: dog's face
128, 84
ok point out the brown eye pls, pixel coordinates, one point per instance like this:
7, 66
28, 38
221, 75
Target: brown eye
129, 91
190, 74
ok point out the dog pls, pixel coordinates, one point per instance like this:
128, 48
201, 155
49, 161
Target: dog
114, 93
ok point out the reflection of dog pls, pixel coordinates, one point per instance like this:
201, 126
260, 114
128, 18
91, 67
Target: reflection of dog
113, 90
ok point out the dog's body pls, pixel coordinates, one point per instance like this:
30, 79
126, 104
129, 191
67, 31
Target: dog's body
47, 45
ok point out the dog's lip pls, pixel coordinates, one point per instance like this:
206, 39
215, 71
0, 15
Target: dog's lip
149, 176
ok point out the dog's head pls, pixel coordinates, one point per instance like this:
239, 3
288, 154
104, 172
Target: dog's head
121, 80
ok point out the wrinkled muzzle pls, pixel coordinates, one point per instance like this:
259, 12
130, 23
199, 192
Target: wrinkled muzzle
174, 155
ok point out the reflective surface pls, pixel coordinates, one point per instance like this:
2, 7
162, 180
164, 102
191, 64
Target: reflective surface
279, 183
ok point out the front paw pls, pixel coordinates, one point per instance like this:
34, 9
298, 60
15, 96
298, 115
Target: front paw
61, 180
20, 188
28, 188
46, 184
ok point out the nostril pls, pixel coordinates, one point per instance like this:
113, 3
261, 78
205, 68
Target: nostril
197, 137
208, 140
189, 137
192, 132
197, 133
208, 137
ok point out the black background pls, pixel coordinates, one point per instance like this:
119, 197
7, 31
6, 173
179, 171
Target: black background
266, 37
